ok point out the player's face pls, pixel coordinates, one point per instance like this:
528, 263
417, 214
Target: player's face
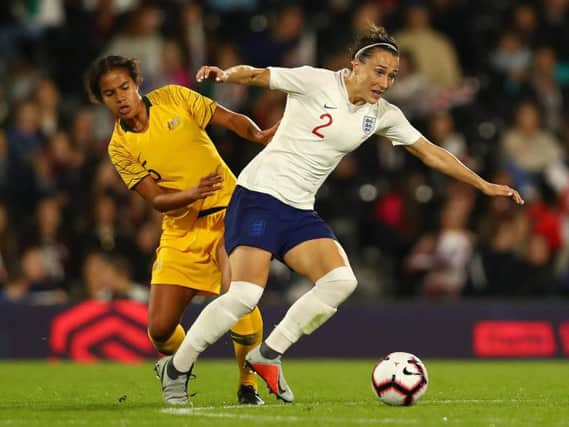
120, 93
376, 75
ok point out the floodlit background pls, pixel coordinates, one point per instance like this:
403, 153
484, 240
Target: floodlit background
487, 80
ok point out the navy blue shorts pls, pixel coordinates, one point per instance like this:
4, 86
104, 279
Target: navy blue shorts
259, 220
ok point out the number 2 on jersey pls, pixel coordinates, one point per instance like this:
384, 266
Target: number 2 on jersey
328, 121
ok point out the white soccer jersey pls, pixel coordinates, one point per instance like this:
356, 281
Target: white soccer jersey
318, 128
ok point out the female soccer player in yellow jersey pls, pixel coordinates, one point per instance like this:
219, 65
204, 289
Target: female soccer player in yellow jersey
161, 150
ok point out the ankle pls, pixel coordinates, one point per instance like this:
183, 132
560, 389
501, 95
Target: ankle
172, 372
269, 353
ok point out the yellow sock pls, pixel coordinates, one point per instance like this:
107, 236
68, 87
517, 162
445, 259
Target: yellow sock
246, 335
170, 346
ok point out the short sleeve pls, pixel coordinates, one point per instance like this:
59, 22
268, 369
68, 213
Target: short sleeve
298, 80
395, 127
130, 171
200, 107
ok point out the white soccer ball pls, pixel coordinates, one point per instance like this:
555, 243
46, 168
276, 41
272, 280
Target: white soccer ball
399, 379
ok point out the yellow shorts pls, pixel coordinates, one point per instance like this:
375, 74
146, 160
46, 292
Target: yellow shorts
189, 258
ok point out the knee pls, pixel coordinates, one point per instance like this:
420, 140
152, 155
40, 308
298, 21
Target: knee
350, 284
242, 296
160, 329
337, 285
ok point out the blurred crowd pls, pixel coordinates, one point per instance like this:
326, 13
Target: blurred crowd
487, 80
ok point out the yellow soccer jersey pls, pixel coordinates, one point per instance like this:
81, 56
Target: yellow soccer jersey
175, 150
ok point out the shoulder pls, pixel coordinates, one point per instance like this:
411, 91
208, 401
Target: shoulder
305, 71
171, 94
387, 110
118, 143
300, 80
385, 105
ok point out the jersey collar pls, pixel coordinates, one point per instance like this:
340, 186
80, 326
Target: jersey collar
352, 108
148, 104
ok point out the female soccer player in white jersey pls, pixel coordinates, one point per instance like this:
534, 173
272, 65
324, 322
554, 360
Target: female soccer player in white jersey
271, 214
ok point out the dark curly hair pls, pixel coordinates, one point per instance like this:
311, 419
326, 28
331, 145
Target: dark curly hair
374, 35
104, 65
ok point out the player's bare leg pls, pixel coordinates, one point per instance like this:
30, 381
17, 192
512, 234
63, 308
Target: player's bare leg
224, 312
324, 262
166, 306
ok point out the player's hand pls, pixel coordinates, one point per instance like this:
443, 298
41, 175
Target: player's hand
265, 136
208, 185
212, 73
503, 190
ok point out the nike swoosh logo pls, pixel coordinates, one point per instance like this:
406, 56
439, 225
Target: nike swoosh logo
329, 107
406, 372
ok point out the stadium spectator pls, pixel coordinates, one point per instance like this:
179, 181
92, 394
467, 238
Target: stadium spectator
92, 285
414, 93
47, 98
192, 34
419, 38
118, 282
510, 61
104, 233
443, 256
344, 26
47, 234
288, 41
528, 148
544, 88
524, 22
31, 284
552, 28
442, 129
496, 261
142, 39
499, 44
174, 69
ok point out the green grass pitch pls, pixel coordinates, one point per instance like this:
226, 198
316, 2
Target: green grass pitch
329, 393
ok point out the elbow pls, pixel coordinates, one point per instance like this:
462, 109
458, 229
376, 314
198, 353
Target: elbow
159, 208
158, 204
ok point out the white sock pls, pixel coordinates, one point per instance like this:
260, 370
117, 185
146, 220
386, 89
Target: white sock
215, 320
313, 308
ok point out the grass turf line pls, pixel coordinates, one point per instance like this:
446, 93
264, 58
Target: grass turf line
329, 393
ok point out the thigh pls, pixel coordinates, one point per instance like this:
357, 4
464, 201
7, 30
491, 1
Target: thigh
194, 260
250, 264
167, 304
314, 258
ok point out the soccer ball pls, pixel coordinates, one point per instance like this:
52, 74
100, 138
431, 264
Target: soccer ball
399, 379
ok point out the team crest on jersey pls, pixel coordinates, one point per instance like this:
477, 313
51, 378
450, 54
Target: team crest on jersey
368, 124
172, 123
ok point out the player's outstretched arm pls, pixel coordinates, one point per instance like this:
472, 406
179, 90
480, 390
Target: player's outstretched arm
239, 74
440, 159
242, 125
164, 200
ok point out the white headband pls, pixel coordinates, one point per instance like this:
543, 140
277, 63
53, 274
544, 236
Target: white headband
369, 46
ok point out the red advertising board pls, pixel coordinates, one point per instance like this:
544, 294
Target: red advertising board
493, 338
97, 330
